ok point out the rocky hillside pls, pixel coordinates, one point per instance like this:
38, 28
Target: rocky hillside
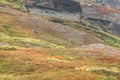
40, 40
115, 3
106, 13
100, 13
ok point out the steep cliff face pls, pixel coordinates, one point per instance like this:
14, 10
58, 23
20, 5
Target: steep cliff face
65, 9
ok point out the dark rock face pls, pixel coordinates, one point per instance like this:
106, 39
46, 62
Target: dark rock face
115, 28
67, 5
100, 12
64, 9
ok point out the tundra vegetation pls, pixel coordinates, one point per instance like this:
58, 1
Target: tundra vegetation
34, 47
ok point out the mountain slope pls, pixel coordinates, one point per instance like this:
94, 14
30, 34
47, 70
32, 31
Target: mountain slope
34, 47
100, 14
42, 28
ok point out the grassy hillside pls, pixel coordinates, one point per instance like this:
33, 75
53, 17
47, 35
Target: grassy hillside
40, 28
34, 48
57, 64
104, 34
13, 3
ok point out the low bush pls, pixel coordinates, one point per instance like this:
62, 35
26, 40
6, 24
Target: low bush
108, 78
100, 70
105, 71
8, 47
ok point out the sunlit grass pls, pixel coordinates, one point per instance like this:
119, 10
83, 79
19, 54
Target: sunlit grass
13, 3
28, 42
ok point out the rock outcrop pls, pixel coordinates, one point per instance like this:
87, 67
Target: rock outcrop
99, 12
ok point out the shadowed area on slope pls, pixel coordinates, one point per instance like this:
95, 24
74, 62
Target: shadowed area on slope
57, 5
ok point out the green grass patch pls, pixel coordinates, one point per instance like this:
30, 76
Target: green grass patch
9, 30
108, 78
13, 3
27, 42
8, 47
105, 71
